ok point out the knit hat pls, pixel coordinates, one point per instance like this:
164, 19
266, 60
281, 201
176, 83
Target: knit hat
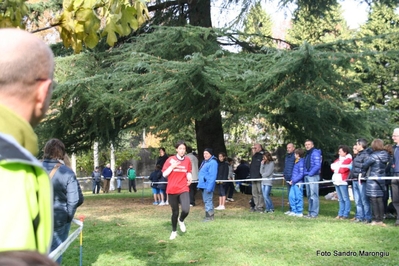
209, 150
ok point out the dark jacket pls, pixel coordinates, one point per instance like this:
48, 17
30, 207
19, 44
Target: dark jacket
96, 176
377, 163
289, 166
119, 174
155, 176
358, 162
223, 170
242, 171
254, 168
107, 173
67, 193
162, 159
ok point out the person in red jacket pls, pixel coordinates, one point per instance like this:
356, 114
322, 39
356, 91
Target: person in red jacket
341, 168
177, 169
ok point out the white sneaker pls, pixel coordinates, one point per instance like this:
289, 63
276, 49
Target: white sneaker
166, 203
173, 235
287, 212
292, 214
230, 199
162, 204
299, 215
182, 226
220, 207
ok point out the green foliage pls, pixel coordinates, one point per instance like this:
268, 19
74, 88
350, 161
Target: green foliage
258, 27
379, 71
315, 29
295, 95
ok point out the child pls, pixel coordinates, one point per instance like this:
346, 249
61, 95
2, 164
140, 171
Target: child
155, 176
96, 177
296, 192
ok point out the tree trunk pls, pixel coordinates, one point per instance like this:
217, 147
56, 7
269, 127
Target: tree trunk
95, 155
113, 167
209, 130
200, 13
209, 134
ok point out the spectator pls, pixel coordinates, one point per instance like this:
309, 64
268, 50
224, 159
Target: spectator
363, 210
67, 195
223, 173
230, 185
119, 178
254, 171
289, 162
177, 169
341, 168
242, 172
194, 174
206, 182
266, 170
162, 157
96, 178
26, 79
312, 169
107, 174
296, 191
395, 168
131, 175
155, 177
375, 189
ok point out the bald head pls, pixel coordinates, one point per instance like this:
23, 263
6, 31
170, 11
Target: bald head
26, 73
23, 58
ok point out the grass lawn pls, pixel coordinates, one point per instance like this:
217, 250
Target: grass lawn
126, 229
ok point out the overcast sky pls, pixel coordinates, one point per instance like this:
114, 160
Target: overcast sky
354, 13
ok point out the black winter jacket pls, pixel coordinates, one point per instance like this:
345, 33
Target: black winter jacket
254, 168
358, 162
377, 163
223, 170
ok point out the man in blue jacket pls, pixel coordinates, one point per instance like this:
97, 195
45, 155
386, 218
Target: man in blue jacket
312, 169
288, 167
107, 174
206, 182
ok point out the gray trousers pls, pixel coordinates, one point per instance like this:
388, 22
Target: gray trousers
258, 195
395, 196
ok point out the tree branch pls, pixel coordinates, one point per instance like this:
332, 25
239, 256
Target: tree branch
166, 5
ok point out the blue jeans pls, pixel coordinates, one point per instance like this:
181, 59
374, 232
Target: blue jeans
296, 199
344, 202
118, 183
363, 210
96, 187
60, 235
208, 201
266, 195
312, 191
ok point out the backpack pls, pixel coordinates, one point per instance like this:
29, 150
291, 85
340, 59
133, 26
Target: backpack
131, 173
